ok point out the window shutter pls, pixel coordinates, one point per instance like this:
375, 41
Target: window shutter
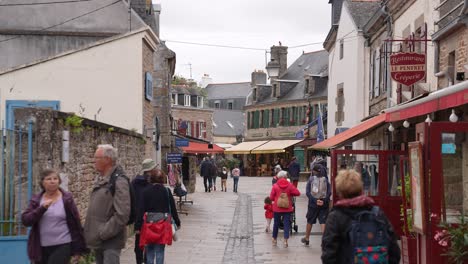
256, 119
203, 124
191, 128
266, 122
148, 86
197, 130
277, 115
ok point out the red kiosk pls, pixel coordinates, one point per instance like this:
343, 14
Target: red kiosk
433, 154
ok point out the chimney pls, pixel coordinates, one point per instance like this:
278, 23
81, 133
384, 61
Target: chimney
157, 13
280, 55
258, 77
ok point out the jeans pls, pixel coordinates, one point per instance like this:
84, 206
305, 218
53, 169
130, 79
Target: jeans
286, 224
236, 182
155, 254
107, 256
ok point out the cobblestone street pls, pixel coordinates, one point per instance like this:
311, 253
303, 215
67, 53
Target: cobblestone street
224, 227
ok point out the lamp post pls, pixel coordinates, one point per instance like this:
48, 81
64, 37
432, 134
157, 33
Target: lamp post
273, 68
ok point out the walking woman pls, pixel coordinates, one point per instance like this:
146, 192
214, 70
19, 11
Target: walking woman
235, 177
56, 234
282, 193
156, 198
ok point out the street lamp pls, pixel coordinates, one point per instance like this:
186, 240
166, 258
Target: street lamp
273, 68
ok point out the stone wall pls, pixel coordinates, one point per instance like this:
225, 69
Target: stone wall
148, 112
78, 173
457, 42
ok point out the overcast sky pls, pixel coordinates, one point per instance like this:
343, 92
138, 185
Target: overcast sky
245, 23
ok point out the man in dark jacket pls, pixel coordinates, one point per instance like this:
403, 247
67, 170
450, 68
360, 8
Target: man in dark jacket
205, 172
336, 245
294, 169
139, 184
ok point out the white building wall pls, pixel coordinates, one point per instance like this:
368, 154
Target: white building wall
106, 77
408, 18
349, 71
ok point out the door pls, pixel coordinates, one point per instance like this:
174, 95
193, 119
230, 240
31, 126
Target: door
11, 105
448, 188
381, 174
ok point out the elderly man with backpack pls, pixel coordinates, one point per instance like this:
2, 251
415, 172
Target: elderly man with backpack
110, 208
318, 191
357, 231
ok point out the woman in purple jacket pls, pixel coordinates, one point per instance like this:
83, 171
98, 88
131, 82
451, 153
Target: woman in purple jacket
56, 234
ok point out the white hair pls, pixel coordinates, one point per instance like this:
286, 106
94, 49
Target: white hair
277, 168
109, 151
282, 174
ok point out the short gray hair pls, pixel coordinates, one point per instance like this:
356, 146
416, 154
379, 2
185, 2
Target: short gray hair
109, 151
282, 174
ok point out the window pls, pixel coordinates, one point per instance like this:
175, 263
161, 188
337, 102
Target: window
186, 100
306, 86
275, 86
217, 104
254, 94
189, 128
341, 49
199, 101
200, 129
229, 106
174, 99
451, 68
148, 86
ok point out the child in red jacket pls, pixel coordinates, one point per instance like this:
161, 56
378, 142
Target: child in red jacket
268, 213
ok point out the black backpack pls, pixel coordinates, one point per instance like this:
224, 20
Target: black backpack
112, 181
370, 240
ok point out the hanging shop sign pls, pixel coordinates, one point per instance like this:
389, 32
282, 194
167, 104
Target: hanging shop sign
408, 68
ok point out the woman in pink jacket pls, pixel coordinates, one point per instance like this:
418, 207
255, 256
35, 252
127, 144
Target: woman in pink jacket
281, 195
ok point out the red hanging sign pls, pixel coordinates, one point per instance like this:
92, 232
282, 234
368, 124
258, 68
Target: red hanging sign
408, 68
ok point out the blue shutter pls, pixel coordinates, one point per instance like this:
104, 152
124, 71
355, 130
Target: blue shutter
148, 86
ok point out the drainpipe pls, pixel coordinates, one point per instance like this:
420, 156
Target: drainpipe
389, 20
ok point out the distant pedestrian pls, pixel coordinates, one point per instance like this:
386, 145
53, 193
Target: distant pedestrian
241, 166
294, 170
56, 234
223, 175
139, 184
235, 177
318, 191
109, 208
356, 216
205, 172
157, 199
268, 213
282, 193
214, 172
276, 170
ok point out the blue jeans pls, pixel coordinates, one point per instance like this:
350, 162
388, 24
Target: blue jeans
155, 254
236, 182
286, 224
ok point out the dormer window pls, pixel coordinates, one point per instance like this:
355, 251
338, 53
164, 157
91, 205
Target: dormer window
254, 94
217, 104
275, 90
174, 99
186, 100
307, 85
230, 105
199, 101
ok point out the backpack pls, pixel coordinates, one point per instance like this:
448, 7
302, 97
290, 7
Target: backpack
318, 188
283, 200
112, 181
369, 237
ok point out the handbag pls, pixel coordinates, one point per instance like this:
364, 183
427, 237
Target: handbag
173, 224
156, 229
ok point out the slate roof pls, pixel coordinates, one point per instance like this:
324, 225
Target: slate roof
220, 118
228, 90
362, 11
312, 63
111, 18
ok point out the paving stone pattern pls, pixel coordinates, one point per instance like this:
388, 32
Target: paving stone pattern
225, 227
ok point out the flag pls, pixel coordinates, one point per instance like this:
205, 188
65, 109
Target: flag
300, 134
320, 133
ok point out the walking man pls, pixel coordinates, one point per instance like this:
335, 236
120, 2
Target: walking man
139, 184
294, 169
109, 208
205, 172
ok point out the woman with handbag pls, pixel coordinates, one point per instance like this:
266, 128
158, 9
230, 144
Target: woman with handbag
157, 214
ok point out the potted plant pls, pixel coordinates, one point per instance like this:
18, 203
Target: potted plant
454, 239
408, 239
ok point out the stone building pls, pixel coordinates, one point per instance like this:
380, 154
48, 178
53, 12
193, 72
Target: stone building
189, 116
451, 41
230, 96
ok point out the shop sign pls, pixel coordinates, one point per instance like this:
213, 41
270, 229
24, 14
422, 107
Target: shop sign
172, 158
181, 142
408, 68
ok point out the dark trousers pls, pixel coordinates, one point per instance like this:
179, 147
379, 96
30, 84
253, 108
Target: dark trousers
286, 218
56, 254
139, 255
208, 183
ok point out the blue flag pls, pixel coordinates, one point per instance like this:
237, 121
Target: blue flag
300, 134
320, 133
